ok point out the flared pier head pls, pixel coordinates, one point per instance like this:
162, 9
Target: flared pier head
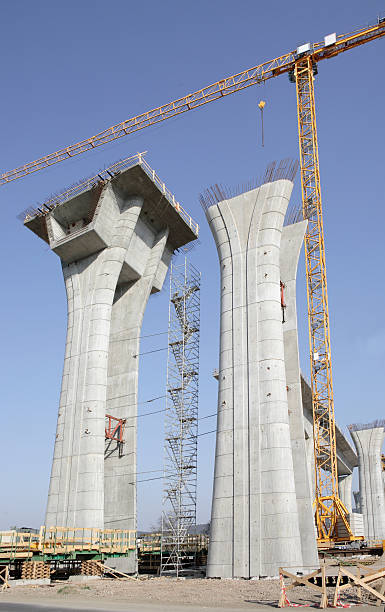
115, 236
368, 440
257, 520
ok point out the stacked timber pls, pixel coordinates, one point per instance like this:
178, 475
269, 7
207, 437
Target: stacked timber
91, 568
34, 570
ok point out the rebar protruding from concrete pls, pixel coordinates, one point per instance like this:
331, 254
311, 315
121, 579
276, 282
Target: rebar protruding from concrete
368, 442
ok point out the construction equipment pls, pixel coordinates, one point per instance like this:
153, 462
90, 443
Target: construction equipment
301, 66
261, 106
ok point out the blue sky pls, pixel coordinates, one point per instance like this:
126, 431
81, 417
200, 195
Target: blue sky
71, 69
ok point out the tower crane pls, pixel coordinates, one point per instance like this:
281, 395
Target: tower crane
301, 65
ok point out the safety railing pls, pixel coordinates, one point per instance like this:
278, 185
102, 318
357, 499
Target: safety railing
152, 542
63, 540
106, 175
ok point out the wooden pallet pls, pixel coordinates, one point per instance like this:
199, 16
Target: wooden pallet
91, 568
33, 570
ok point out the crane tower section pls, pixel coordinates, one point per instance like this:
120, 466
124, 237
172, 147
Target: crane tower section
330, 513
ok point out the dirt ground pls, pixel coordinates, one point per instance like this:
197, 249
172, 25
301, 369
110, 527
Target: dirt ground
229, 594
183, 592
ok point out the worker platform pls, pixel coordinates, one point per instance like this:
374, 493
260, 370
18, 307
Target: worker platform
65, 544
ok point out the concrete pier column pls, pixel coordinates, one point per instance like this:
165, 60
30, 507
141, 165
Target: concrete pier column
357, 502
123, 368
345, 491
76, 499
368, 441
291, 244
310, 460
254, 525
383, 476
115, 235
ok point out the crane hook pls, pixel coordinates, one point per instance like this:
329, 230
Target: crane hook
261, 105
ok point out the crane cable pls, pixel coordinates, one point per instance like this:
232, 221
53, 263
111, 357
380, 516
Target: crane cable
261, 106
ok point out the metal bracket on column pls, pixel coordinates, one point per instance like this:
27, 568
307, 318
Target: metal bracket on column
283, 305
114, 430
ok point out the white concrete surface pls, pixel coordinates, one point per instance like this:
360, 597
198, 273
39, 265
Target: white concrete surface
368, 443
254, 522
346, 457
291, 244
345, 491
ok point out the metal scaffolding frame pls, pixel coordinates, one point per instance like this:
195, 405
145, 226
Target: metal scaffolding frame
181, 418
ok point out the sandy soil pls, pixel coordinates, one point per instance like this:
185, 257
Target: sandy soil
198, 592
167, 591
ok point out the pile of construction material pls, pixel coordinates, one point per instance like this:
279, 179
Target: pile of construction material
35, 570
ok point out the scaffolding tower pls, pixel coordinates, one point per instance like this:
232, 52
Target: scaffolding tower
181, 418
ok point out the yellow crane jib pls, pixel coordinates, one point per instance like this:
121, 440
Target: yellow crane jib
227, 86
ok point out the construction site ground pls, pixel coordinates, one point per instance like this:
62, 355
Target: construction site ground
154, 593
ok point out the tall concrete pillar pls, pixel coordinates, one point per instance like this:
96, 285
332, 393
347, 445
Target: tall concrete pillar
122, 381
383, 467
76, 493
254, 522
310, 459
346, 456
357, 502
291, 244
368, 440
345, 491
115, 239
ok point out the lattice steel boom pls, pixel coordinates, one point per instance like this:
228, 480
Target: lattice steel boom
216, 91
181, 417
328, 506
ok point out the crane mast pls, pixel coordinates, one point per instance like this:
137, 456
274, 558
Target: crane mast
330, 513
328, 506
